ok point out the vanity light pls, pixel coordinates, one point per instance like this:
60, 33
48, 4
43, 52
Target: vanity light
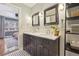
61, 7
41, 14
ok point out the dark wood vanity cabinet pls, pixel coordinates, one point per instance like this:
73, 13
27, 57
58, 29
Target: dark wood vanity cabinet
37, 46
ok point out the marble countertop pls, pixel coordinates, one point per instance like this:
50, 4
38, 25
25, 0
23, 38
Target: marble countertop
47, 36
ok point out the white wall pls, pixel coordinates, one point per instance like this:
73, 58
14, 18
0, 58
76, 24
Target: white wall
24, 15
62, 28
8, 11
41, 7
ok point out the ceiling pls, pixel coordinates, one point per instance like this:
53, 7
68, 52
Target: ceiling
30, 4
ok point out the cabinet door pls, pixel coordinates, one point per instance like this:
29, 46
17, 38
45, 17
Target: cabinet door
45, 47
39, 46
26, 41
27, 46
45, 51
33, 46
53, 48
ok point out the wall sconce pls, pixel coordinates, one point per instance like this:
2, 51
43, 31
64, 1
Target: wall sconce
61, 7
41, 14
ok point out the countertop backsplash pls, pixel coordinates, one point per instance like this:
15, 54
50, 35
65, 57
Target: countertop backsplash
41, 29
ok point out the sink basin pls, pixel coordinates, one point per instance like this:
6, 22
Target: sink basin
44, 35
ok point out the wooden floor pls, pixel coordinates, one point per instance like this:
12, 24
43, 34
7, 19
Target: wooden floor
2, 47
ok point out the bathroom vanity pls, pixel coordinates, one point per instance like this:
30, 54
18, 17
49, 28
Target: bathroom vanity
37, 44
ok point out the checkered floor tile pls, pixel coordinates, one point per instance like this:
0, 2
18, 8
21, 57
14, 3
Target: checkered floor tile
18, 53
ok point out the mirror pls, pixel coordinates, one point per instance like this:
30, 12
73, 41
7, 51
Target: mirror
35, 19
51, 15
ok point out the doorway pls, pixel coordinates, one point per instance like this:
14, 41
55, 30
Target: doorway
8, 29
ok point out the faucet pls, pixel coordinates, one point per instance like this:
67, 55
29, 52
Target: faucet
48, 31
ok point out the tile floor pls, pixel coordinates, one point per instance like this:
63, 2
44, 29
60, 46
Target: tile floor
18, 53
24, 53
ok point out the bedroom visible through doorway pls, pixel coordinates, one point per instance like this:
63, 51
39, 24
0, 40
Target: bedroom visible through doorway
8, 29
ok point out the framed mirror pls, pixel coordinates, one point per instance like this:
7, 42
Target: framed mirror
35, 19
51, 15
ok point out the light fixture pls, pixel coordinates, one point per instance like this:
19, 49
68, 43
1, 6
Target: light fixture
61, 7
41, 14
